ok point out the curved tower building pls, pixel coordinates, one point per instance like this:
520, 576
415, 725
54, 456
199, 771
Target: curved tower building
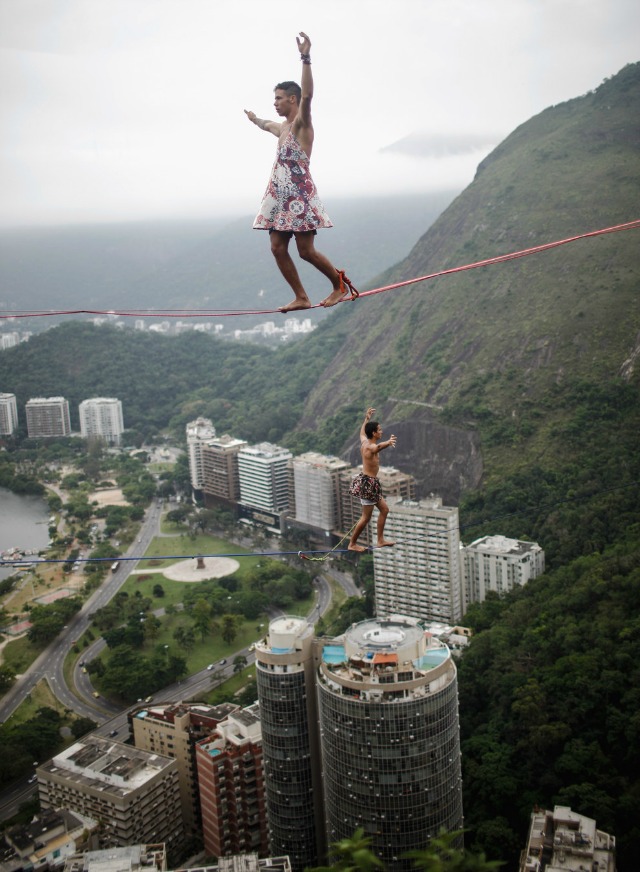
388, 707
291, 756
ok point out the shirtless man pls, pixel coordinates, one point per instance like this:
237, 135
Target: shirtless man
366, 485
291, 206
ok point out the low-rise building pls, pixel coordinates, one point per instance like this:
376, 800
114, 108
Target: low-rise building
135, 794
564, 839
46, 841
133, 858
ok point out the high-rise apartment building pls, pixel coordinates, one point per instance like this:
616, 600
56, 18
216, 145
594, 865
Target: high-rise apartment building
394, 484
564, 839
172, 730
221, 479
48, 416
499, 564
135, 793
316, 490
388, 712
231, 785
198, 432
358, 731
285, 676
263, 477
101, 418
420, 576
8, 414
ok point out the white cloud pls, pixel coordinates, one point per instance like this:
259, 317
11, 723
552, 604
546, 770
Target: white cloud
133, 108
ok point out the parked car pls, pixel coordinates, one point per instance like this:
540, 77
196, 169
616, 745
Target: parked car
223, 661
210, 667
113, 733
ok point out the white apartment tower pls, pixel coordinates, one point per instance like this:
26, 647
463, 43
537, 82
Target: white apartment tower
101, 418
198, 432
8, 414
316, 489
263, 472
420, 576
48, 416
499, 564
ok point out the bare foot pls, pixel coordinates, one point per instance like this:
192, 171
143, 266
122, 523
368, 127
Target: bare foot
296, 305
385, 544
357, 548
334, 297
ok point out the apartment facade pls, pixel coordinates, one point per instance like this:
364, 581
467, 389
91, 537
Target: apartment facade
101, 418
262, 470
388, 714
198, 432
220, 476
316, 490
48, 417
421, 575
231, 786
135, 793
8, 414
172, 730
497, 563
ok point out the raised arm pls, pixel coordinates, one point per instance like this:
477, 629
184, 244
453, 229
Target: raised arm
367, 418
270, 126
306, 81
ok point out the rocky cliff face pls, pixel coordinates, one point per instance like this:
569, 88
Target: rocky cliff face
445, 461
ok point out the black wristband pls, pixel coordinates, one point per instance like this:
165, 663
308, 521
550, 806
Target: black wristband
305, 58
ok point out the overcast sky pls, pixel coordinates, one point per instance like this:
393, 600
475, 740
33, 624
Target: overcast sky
132, 109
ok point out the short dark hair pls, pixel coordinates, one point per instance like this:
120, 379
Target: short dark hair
370, 428
290, 88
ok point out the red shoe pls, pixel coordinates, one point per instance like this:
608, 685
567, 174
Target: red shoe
345, 281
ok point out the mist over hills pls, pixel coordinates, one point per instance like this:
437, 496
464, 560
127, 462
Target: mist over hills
216, 264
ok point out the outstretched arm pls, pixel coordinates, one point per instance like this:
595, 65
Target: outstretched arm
270, 126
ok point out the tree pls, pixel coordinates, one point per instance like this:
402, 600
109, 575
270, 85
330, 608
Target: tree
229, 628
7, 677
239, 663
158, 591
442, 855
81, 726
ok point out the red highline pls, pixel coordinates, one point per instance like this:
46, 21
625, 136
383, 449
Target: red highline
225, 313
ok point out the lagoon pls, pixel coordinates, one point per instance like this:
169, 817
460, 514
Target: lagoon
24, 524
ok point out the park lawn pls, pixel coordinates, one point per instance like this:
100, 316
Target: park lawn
40, 697
20, 654
182, 546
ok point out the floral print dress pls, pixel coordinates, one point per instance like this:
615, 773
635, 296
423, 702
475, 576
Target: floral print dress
291, 202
